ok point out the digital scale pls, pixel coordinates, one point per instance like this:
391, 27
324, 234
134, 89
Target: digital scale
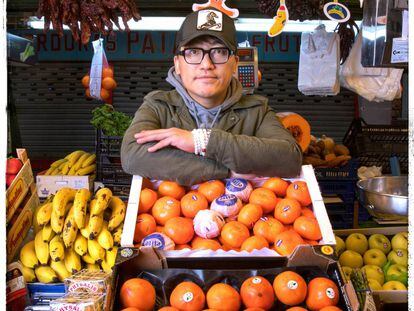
247, 69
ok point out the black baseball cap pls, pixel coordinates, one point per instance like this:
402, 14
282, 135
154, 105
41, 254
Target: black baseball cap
209, 22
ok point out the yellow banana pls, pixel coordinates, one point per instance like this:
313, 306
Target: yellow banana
111, 256
56, 171
44, 213
36, 226
46, 274
61, 199
86, 170
96, 251
60, 269
57, 248
47, 233
280, 20
49, 172
28, 255
70, 229
74, 156
95, 225
85, 230
72, 261
103, 197
93, 267
28, 274
90, 160
80, 204
106, 266
88, 259
81, 245
41, 248
65, 168
58, 163
72, 171
105, 238
116, 234
118, 212
56, 223
80, 161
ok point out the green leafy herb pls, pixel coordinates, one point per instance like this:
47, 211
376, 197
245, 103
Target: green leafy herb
111, 122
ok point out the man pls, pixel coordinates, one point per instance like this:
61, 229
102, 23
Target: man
206, 128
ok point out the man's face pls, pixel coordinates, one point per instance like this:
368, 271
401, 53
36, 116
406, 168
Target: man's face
206, 82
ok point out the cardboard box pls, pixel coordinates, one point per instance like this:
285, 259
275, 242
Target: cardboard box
307, 174
385, 296
20, 185
47, 184
21, 222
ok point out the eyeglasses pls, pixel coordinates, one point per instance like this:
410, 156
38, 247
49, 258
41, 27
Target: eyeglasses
194, 56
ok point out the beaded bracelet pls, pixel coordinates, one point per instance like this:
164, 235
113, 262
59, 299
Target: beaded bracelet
200, 137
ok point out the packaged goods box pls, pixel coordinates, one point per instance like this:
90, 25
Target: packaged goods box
385, 296
307, 175
48, 184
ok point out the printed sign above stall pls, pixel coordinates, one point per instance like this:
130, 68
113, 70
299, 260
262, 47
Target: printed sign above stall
151, 46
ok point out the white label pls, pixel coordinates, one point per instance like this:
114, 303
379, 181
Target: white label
210, 20
330, 293
399, 51
256, 281
292, 284
188, 296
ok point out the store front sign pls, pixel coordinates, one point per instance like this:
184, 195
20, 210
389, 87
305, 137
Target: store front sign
151, 46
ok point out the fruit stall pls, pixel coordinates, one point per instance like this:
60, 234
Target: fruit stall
82, 234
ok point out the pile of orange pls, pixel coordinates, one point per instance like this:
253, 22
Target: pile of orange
108, 84
256, 293
277, 215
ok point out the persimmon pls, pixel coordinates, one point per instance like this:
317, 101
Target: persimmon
286, 242
147, 199
322, 292
257, 292
250, 214
138, 293
188, 296
277, 185
269, 228
179, 229
254, 242
234, 233
287, 210
290, 288
165, 208
192, 203
308, 228
145, 225
211, 189
222, 296
265, 198
172, 189
298, 190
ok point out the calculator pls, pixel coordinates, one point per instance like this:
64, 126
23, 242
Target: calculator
247, 69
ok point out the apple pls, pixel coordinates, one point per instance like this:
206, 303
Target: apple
375, 257
374, 284
394, 285
357, 242
351, 259
379, 241
374, 272
398, 256
397, 273
400, 241
340, 245
347, 272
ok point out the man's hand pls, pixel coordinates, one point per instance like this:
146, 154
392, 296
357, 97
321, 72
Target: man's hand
178, 138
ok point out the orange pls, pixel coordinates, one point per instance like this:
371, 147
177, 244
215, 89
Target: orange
131, 309
147, 199
290, 288
277, 185
322, 292
145, 225
265, 198
107, 72
200, 243
286, 242
88, 93
192, 203
268, 227
287, 210
308, 228
257, 292
138, 293
85, 81
226, 247
211, 189
168, 308
179, 229
331, 308
311, 242
188, 296
296, 309
165, 208
222, 296
254, 242
108, 83
254, 309
234, 233
306, 211
172, 189
249, 214
105, 94
298, 190
182, 246
159, 229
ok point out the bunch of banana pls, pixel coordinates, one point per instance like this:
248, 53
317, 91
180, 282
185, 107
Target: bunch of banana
78, 163
75, 230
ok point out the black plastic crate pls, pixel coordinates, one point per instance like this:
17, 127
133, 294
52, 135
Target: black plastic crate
341, 215
108, 145
346, 190
345, 172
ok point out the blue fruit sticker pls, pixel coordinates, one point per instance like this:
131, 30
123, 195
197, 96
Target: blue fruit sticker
227, 200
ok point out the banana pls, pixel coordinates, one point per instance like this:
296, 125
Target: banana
56, 223
72, 261
80, 161
61, 199
80, 204
116, 234
90, 160
282, 16
105, 238
85, 230
111, 256
86, 170
74, 156
60, 269
72, 171
96, 251
46, 274
65, 169
28, 274
47, 233
44, 213
118, 212
81, 245
58, 163
93, 267
28, 255
70, 229
36, 226
41, 249
103, 197
88, 259
95, 225
106, 266
57, 249
48, 172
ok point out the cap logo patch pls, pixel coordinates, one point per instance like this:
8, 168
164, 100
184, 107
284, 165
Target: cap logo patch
210, 20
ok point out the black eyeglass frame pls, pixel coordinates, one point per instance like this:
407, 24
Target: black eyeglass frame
182, 53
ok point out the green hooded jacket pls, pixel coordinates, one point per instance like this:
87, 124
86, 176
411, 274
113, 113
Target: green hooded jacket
247, 139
